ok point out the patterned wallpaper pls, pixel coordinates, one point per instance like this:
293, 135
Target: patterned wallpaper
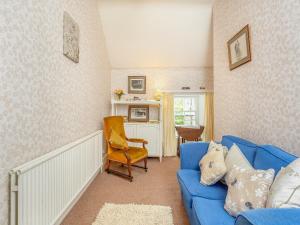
164, 79
259, 100
46, 100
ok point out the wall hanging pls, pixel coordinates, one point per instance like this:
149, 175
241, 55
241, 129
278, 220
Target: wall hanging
136, 84
138, 113
239, 49
71, 38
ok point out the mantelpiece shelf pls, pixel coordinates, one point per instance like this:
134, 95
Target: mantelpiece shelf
137, 123
135, 102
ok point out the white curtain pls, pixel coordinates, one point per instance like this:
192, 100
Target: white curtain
169, 136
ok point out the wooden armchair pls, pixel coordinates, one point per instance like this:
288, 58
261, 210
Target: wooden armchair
124, 154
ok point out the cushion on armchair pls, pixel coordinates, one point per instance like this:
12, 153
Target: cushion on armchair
116, 141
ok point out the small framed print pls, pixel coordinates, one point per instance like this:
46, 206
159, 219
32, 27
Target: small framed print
239, 49
70, 38
136, 84
138, 113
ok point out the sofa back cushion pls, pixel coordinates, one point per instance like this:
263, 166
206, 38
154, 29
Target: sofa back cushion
269, 156
248, 148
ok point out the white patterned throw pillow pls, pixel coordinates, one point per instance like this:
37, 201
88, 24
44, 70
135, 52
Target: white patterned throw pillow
285, 191
236, 157
247, 189
212, 165
215, 146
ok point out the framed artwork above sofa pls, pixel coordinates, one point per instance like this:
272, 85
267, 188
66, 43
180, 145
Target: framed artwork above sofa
239, 49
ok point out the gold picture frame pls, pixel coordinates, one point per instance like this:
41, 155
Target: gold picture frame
136, 84
138, 113
239, 51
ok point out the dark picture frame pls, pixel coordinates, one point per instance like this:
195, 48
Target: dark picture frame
138, 113
136, 84
239, 51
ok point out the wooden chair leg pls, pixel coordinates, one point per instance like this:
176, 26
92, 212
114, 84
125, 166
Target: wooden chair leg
145, 162
108, 166
129, 171
178, 146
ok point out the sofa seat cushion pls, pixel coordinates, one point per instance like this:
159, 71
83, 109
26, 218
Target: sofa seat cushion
211, 212
189, 181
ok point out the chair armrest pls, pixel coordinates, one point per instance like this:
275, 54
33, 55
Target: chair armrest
191, 153
279, 216
137, 140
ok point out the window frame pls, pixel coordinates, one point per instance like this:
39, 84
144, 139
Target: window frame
197, 109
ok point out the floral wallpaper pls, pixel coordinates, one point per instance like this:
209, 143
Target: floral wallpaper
259, 100
46, 100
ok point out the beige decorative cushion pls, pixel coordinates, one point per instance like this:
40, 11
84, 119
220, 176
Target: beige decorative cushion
236, 157
247, 189
214, 146
212, 165
285, 191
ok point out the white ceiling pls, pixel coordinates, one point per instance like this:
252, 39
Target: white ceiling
158, 33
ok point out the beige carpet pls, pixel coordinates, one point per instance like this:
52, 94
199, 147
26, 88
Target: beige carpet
158, 186
133, 214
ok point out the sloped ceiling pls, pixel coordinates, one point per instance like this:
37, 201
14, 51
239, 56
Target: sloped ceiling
158, 33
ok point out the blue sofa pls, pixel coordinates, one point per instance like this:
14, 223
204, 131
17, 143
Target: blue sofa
205, 204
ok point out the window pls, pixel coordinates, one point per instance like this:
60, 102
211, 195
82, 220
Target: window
188, 110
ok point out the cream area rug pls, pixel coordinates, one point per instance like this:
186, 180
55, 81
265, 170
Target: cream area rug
133, 214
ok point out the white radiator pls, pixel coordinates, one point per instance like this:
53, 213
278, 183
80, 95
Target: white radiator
44, 189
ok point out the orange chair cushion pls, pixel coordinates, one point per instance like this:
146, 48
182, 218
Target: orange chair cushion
116, 141
134, 153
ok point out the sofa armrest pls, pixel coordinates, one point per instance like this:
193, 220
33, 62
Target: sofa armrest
286, 216
191, 153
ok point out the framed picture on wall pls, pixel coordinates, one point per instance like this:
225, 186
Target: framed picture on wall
239, 49
136, 84
70, 38
138, 113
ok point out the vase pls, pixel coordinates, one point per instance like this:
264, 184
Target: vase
119, 97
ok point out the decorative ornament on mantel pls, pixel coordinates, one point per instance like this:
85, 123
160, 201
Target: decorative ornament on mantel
119, 93
158, 94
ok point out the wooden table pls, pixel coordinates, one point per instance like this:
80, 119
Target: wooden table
188, 134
